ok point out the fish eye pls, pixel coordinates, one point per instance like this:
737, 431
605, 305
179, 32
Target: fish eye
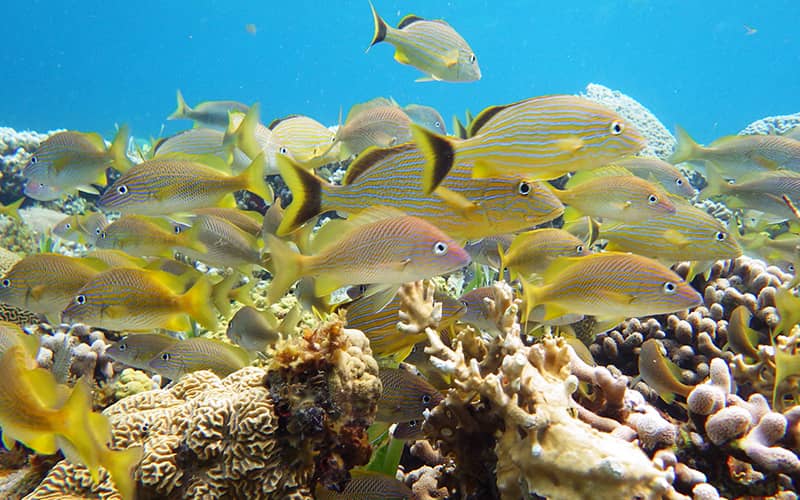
6, 283
669, 287
616, 127
103, 235
440, 248
652, 199
177, 229
790, 267
123, 189
67, 226
283, 150
524, 188
34, 160
472, 58
165, 356
437, 124
122, 346
412, 423
579, 249
719, 235
679, 182
80, 299
426, 399
99, 232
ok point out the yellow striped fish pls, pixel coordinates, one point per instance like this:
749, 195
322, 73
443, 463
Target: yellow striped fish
160, 187
308, 141
405, 396
138, 349
610, 285
246, 220
254, 138
542, 138
475, 208
378, 246
199, 353
208, 113
431, 46
144, 236
141, 300
224, 244
688, 234
202, 142
369, 125
659, 172
532, 252
83, 228
762, 191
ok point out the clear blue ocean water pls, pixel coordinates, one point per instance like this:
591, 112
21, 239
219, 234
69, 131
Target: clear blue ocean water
87, 65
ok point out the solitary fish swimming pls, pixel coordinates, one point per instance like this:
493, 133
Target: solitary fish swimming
208, 113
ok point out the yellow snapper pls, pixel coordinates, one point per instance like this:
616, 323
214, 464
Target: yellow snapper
367, 485
405, 396
45, 283
140, 235
138, 349
46, 416
659, 172
377, 246
141, 300
762, 191
604, 194
246, 220
610, 285
427, 117
201, 142
368, 125
688, 234
254, 330
431, 46
462, 207
660, 373
73, 160
222, 244
541, 137
208, 113
199, 353
532, 252
738, 155
82, 228
308, 141
160, 187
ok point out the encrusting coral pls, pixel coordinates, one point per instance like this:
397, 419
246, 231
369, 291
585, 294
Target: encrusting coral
258, 433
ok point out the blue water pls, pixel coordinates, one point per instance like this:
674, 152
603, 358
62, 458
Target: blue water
89, 64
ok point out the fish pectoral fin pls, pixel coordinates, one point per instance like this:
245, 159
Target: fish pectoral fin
399, 265
37, 292
570, 144
553, 311
765, 162
456, 200
675, 238
428, 78
115, 312
88, 189
617, 297
485, 170
8, 441
178, 323
450, 58
401, 57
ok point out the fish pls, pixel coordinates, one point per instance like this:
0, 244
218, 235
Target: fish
81, 228
223, 244
246, 220
738, 155
254, 330
688, 234
140, 235
46, 416
308, 141
762, 191
485, 251
377, 246
741, 338
405, 396
542, 138
199, 353
477, 310
372, 125
785, 247
251, 136
46, 283
141, 300
610, 286
427, 117
431, 46
657, 171
165, 186
463, 207
203, 142
212, 114
137, 350
660, 373
532, 252
12, 209
70, 160
408, 431
12, 335
367, 485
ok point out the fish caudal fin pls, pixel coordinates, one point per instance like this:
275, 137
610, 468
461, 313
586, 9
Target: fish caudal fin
119, 151
306, 191
198, 303
120, 464
716, 185
253, 177
12, 209
288, 266
181, 110
439, 151
380, 28
243, 136
685, 149
80, 434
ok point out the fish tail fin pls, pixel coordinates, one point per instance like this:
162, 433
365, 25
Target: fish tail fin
503, 254
120, 464
716, 185
531, 295
12, 209
288, 266
181, 110
439, 151
686, 147
306, 191
119, 150
198, 303
253, 177
81, 445
220, 295
244, 136
380, 28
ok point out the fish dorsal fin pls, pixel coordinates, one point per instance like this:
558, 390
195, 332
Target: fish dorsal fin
483, 117
276, 121
335, 230
95, 140
409, 19
550, 274
378, 102
370, 157
606, 171
208, 160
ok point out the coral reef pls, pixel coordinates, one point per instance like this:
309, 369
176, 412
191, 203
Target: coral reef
660, 142
772, 125
258, 433
15, 150
73, 351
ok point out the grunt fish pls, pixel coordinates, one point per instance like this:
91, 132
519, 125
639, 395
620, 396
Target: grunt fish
405, 396
762, 191
659, 172
427, 117
532, 252
203, 142
372, 125
199, 353
85, 228
254, 330
660, 373
485, 251
208, 113
308, 141
367, 485
138, 349
223, 244
139, 235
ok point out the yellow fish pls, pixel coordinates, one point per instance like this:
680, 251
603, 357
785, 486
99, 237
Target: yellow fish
371, 124
658, 171
199, 353
308, 141
660, 373
532, 252
84, 228
138, 349
139, 235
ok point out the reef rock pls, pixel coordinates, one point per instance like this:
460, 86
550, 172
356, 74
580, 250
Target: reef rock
772, 125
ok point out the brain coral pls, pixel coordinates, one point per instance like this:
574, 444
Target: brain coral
258, 433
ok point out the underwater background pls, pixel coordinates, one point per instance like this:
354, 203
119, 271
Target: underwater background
710, 66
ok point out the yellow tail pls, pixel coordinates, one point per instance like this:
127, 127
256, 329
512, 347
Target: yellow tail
12, 209
119, 150
182, 110
254, 178
84, 435
243, 136
380, 28
288, 267
686, 149
121, 464
197, 302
